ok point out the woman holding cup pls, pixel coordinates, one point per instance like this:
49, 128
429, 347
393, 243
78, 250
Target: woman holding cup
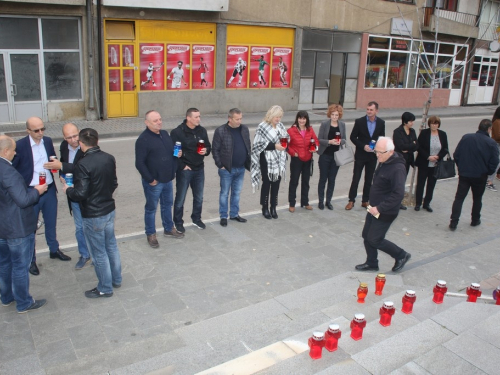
269, 159
332, 135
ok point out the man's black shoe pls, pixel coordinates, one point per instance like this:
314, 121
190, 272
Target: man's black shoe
34, 306
239, 219
366, 267
321, 205
116, 285
400, 263
180, 228
94, 293
453, 225
417, 208
200, 224
34, 269
475, 223
223, 222
401, 207
59, 255
428, 208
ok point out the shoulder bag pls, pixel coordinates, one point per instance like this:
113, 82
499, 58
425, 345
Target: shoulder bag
344, 155
445, 168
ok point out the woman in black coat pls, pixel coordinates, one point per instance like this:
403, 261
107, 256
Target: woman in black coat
432, 146
405, 141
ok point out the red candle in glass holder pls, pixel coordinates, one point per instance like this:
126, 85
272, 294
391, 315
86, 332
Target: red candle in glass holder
473, 291
42, 178
200, 146
332, 336
386, 312
316, 343
496, 295
439, 291
337, 136
52, 158
284, 142
379, 284
312, 145
408, 300
362, 292
357, 326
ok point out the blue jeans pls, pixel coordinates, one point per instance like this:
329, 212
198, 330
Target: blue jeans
184, 179
163, 192
15, 259
48, 205
100, 236
80, 237
230, 180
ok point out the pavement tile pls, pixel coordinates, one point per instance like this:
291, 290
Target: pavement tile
24, 365
441, 360
146, 316
10, 324
488, 329
42, 329
57, 352
16, 346
411, 368
167, 302
86, 335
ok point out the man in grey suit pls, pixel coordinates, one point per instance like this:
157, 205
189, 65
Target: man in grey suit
17, 233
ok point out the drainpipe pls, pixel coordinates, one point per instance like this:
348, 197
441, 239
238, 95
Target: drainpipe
90, 47
99, 56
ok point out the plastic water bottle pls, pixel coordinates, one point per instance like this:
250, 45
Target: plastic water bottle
177, 148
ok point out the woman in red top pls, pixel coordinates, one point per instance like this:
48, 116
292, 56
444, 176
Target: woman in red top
303, 143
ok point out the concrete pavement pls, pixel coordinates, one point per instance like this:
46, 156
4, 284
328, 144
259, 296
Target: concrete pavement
245, 298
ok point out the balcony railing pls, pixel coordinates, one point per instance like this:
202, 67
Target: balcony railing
488, 31
465, 18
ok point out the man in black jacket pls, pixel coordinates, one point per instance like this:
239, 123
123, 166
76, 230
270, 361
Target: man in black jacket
386, 194
70, 153
190, 170
477, 157
155, 161
95, 182
231, 152
366, 129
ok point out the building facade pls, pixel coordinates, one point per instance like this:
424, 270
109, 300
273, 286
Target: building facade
75, 59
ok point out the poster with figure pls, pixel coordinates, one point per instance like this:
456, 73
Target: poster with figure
128, 55
203, 67
178, 66
236, 67
152, 60
113, 55
260, 68
114, 80
282, 67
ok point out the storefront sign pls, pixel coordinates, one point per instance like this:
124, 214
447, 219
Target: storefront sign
401, 26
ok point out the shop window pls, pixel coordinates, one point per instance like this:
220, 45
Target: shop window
123, 30
62, 75
400, 44
412, 73
424, 71
446, 49
346, 42
429, 46
322, 77
378, 42
458, 75
376, 66
443, 72
60, 33
3, 86
461, 53
307, 64
398, 68
352, 65
19, 33
315, 39
475, 72
491, 76
483, 77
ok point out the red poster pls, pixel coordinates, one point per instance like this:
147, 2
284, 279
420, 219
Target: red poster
151, 67
178, 68
128, 55
203, 67
114, 79
128, 80
260, 68
113, 55
236, 67
282, 67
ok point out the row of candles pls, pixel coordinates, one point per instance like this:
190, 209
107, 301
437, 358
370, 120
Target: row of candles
329, 339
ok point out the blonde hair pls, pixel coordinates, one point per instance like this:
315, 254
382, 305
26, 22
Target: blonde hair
333, 108
274, 111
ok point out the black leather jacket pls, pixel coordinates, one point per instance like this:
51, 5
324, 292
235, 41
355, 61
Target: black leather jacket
95, 181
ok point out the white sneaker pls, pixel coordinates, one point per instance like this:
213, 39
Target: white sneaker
491, 187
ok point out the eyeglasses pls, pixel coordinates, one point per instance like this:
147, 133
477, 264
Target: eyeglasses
71, 137
380, 152
37, 130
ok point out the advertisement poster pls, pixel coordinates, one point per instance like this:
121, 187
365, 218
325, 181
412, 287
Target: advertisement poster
114, 79
113, 55
203, 67
178, 68
128, 55
260, 67
152, 60
236, 67
128, 80
282, 65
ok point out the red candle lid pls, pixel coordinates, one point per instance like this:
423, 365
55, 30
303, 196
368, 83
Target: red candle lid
410, 293
363, 285
334, 328
359, 318
389, 305
441, 283
381, 276
475, 286
318, 336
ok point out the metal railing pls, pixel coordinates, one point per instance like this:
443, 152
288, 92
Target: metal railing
488, 31
465, 18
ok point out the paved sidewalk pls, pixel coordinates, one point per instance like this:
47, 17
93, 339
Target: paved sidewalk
222, 294
134, 126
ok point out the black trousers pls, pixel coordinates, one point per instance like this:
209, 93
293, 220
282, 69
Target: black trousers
425, 174
477, 185
297, 168
328, 170
268, 185
369, 167
373, 235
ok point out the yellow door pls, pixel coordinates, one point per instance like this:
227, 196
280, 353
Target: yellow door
121, 88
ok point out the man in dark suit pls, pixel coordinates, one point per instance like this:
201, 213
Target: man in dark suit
33, 151
70, 155
17, 231
366, 129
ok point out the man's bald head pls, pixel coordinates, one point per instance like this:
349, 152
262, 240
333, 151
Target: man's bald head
70, 133
7, 147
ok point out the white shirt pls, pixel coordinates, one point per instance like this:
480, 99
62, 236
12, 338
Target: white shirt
72, 153
39, 159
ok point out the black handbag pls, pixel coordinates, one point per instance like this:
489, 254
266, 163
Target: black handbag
445, 168
312, 167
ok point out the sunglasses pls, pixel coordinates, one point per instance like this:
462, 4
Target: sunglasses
37, 130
